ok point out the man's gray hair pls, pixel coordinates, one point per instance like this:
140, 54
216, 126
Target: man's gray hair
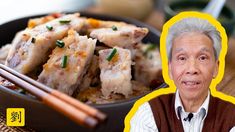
193, 24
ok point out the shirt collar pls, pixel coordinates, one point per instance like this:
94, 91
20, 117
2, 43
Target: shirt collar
179, 107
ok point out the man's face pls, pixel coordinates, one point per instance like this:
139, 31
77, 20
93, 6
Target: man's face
193, 65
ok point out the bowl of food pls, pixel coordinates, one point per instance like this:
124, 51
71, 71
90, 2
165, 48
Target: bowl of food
226, 17
110, 63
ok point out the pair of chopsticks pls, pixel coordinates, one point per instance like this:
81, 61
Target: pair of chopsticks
70, 107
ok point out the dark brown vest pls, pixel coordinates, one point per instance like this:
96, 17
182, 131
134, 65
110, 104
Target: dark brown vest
220, 116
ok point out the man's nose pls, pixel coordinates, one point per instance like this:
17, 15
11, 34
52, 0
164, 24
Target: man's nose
192, 67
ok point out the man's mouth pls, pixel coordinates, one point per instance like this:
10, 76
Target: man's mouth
191, 83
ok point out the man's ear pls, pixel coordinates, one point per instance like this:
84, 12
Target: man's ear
169, 70
216, 69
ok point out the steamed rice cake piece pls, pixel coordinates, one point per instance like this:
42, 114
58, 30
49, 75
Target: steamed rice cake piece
32, 47
124, 36
115, 71
4, 52
148, 68
91, 77
33, 22
67, 64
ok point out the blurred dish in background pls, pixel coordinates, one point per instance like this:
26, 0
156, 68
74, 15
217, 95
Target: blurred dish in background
227, 17
24, 8
138, 9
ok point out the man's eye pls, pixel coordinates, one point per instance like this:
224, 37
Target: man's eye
181, 58
203, 58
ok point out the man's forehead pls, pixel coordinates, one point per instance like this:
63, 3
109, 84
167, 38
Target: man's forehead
187, 36
192, 41
201, 49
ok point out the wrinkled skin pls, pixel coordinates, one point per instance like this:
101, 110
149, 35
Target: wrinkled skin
192, 68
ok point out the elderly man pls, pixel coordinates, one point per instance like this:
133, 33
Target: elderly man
193, 47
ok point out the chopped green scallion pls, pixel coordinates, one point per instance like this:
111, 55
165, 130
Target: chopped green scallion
114, 28
64, 61
111, 54
64, 21
49, 27
60, 43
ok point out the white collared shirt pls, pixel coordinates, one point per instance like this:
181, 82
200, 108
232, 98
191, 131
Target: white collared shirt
143, 120
197, 121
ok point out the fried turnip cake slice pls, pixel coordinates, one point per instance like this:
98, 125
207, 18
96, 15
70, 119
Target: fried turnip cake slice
123, 36
32, 47
147, 68
4, 52
67, 64
114, 33
41, 20
91, 24
6, 49
92, 75
115, 65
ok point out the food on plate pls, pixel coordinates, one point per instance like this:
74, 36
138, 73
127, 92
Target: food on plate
5, 49
92, 24
38, 21
115, 76
4, 52
91, 78
124, 36
147, 65
113, 33
32, 46
7, 84
95, 61
93, 95
68, 63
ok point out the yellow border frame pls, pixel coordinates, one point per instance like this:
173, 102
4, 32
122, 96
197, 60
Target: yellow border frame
163, 51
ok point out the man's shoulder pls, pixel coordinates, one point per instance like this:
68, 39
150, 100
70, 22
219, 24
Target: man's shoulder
222, 111
222, 102
223, 105
164, 97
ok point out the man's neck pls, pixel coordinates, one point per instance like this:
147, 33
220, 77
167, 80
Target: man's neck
193, 105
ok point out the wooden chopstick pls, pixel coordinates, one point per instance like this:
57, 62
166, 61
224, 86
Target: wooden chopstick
76, 103
55, 99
